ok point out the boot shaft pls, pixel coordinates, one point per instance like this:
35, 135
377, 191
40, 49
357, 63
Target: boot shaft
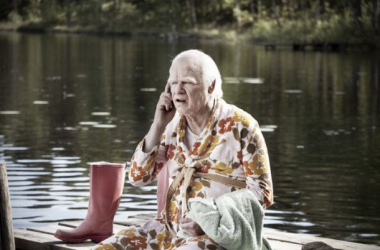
106, 188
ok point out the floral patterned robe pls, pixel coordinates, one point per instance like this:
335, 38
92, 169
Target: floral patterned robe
231, 145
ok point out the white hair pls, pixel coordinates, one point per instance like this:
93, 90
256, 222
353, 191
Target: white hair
208, 70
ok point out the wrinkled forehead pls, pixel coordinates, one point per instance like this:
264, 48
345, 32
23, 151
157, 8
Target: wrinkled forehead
186, 66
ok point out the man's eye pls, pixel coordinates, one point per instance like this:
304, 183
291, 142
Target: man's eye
174, 83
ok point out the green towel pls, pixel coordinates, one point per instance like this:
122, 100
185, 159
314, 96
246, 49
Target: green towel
234, 220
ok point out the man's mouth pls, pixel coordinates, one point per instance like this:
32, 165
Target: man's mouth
182, 100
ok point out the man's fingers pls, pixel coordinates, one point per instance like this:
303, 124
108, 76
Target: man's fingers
165, 104
167, 88
191, 227
186, 227
166, 95
187, 224
185, 220
166, 101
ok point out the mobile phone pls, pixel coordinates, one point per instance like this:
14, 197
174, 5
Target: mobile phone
170, 92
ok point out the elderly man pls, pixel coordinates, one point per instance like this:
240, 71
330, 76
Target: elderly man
213, 164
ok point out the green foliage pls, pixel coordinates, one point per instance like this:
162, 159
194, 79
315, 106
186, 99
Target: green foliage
15, 17
333, 28
50, 12
292, 20
87, 12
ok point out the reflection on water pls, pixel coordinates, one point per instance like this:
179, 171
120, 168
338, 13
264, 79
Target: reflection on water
67, 100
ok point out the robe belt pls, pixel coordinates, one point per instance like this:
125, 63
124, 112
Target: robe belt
186, 174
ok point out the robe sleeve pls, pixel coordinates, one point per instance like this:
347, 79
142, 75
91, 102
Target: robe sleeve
256, 164
146, 166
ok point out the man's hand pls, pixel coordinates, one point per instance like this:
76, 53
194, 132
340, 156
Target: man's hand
191, 227
165, 109
165, 112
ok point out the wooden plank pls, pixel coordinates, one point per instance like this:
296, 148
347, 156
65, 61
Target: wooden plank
42, 238
70, 223
130, 221
280, 245
277, 245
6, 226
74, 224
47, 229
35, 241
144, 216
303, 239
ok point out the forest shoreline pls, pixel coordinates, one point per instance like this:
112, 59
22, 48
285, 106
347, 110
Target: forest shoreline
104, 30
278, 22
222, 34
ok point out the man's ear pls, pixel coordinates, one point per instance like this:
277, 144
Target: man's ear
212, 87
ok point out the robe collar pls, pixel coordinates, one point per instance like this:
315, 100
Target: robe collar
202, 147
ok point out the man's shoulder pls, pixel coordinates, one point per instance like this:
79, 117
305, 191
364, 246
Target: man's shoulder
240, 116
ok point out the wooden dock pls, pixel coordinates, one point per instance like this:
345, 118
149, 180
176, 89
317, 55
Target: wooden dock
42, 238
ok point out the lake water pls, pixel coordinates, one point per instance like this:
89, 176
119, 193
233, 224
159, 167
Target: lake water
67, 100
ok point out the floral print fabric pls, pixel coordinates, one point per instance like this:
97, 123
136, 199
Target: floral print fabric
231, 145
156, 238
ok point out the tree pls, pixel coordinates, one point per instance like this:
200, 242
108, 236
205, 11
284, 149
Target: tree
174, 19
237, 13
317, 9
15, 6
254, 11
356, 10
192, 14
275, 13
68, 13
375, 14
5, 9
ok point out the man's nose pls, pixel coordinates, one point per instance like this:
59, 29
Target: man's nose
180, 89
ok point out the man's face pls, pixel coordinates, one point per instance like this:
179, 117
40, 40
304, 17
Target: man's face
189, 93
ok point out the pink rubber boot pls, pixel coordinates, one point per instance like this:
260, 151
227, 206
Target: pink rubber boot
106, 188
